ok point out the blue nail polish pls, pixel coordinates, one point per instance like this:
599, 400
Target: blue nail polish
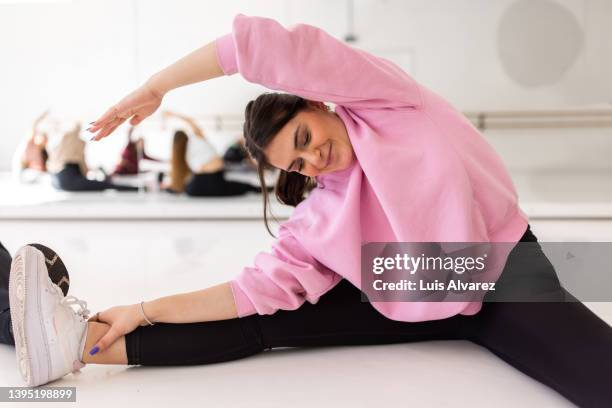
94, 350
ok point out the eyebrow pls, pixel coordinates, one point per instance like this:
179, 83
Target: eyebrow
295, 136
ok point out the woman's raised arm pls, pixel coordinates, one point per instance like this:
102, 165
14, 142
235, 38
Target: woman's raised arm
198, 66
307, 61
37, 121
197, 130
303, 60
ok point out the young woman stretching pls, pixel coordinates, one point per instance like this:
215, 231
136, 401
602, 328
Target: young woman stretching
393, 162
32, 152
69, 168
132, 153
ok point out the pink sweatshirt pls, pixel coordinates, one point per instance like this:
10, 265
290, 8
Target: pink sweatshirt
423, 173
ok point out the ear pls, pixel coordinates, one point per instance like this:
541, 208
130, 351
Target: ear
318, 105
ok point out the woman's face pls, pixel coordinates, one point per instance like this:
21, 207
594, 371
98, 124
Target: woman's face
314, 142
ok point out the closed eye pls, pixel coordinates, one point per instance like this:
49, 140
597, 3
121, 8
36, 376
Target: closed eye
306, 141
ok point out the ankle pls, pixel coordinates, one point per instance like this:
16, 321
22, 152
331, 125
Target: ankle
116, 353
95, 331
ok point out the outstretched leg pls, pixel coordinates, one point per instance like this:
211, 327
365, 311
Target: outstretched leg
551, 337
561, 344
338, 318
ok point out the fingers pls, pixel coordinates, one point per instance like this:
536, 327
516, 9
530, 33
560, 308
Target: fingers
136, 119
106, 341
109, 119
105, 119
109, 128
94, 318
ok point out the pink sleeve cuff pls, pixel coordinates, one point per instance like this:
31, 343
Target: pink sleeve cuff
244, 306
226, 54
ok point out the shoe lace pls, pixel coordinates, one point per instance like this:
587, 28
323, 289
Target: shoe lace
72, 300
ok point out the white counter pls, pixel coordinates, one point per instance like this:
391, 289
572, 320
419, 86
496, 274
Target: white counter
542, 195
42, 202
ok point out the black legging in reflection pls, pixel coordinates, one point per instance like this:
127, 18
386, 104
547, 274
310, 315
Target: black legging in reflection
215, 185
70, 178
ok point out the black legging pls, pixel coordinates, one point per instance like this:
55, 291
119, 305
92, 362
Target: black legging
215, 185
561, 344
70, 178
5, 267
6, 337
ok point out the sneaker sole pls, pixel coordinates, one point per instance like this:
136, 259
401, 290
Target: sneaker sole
28, 272
56, 268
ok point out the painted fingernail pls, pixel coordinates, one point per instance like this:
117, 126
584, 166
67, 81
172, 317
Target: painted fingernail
91, 123
88, 129
94, 350
92, 138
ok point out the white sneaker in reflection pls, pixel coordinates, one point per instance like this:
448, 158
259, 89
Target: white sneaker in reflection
49, 334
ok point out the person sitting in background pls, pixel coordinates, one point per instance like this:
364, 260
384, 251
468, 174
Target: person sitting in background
196, 168
31, 155
131, 155
67, 164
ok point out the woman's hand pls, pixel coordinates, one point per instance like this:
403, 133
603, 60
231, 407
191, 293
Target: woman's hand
122, 319
137, 106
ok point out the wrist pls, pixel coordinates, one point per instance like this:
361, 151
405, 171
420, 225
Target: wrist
145, 312
138, 314
158, 85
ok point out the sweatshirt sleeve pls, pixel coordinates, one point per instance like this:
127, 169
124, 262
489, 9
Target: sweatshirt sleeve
306, 61
282, 279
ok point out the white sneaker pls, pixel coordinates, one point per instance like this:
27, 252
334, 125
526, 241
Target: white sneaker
49, 335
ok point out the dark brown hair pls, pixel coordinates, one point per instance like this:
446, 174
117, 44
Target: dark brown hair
179, 170
264, 117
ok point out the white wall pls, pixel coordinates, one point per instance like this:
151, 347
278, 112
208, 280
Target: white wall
78, 57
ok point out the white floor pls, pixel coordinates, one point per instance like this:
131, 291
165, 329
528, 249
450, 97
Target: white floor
449, 373
452, 374
183, 245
